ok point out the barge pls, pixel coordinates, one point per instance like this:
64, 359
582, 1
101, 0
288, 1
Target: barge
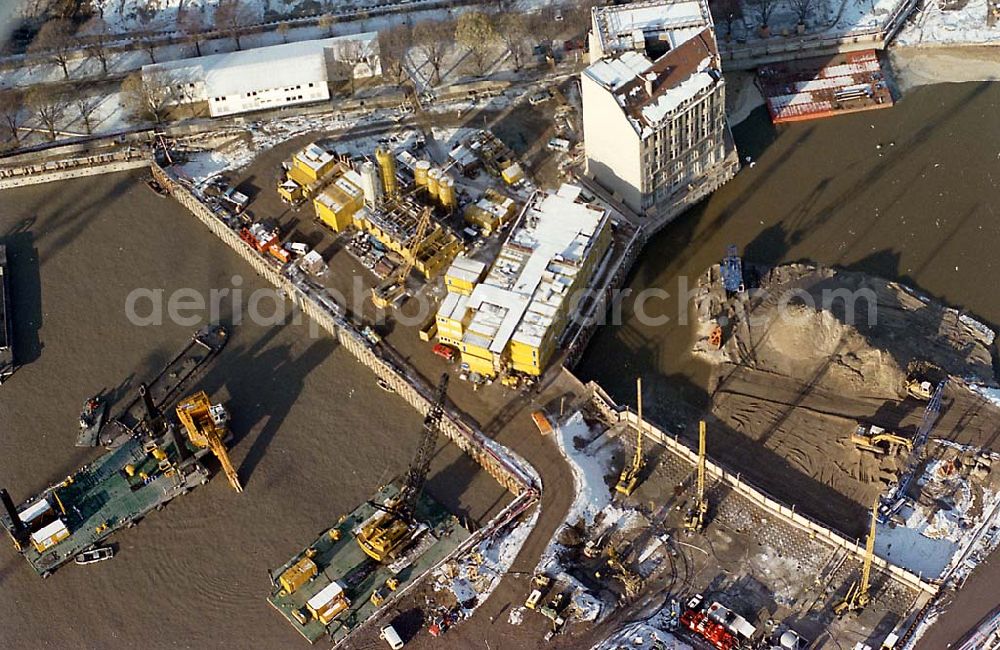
6, 320
332, 586
162, 391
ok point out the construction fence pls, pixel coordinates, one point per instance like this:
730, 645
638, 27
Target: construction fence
614, 414
510, 471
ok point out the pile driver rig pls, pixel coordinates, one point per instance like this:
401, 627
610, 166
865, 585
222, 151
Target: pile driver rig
388, 532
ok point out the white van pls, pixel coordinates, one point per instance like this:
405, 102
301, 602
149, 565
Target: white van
391, 637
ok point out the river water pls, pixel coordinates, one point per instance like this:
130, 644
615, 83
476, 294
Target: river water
911, 193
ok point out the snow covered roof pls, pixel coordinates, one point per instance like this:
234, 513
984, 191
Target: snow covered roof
289, 64
650, 91
466, 268
626, 26
535, 269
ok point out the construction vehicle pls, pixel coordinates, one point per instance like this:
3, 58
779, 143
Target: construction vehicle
539, 584
629, 579
869, 437
919, 389
694, 521
394, 286
858, 595
732, 271
629, 478
205, 424
384, 535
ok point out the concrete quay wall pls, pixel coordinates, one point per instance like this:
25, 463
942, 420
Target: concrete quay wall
57, 170
412, 388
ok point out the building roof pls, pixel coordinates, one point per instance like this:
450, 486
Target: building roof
649, 91
633, 25
285, 65
466, 268
534, 270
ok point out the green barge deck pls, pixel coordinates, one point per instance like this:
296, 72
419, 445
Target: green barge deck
113, 492
339, 558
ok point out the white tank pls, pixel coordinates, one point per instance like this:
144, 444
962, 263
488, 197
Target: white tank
371, 184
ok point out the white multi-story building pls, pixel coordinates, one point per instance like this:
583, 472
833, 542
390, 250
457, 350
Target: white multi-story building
654, 116
267, 77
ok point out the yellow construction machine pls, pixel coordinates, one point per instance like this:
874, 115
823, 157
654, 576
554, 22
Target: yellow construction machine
387, 533
205, 424
394, 286
629, 478
629, 579
858, 595
694, 521
869, 437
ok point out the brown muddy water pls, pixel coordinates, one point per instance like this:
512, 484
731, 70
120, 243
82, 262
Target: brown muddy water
315, 436
911, 194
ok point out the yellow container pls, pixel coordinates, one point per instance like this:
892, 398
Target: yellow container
297, 575
420, 172
446, 191
433, 179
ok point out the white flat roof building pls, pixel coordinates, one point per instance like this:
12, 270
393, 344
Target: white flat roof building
523, 299
267, 77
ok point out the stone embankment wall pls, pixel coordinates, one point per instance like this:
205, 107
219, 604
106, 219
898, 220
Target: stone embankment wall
310, 298
615, 414
57, 170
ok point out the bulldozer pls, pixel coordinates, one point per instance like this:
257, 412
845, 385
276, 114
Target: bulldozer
387, 533
205, 424
868, 437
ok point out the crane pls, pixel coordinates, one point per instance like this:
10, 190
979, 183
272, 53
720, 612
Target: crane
630, 474
695, 519
858, 595
385, 533
205, 424
393, 286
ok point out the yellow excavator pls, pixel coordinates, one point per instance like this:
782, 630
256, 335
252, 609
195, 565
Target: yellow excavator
394, 286
629, 478
384, 535
205, 424
858, 595
869, 437
629, 579
694, 521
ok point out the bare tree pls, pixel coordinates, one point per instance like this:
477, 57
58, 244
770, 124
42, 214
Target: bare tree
192, 23
475, 32
431, 39
149, 44
543, 24
55, 40
98, 36
393, 45
48, 105
148, 95
12, 112
513, 31
231, 16
283, 30
728, 11
326, 22
763, 10
802, 9
86, 106
348, 55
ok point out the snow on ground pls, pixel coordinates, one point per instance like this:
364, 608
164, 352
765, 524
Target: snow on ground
827, 18
642, 636
929, 543
590, 465
473, 577
932, 25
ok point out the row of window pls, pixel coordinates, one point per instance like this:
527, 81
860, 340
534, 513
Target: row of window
254, 93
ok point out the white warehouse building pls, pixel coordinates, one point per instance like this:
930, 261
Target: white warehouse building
654, 117
267, 77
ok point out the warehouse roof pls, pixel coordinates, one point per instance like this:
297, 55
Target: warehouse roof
286, 65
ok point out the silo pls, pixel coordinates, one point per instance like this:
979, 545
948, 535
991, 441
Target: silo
420, 172
446, 191
387, 163
433, 178
370, 183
